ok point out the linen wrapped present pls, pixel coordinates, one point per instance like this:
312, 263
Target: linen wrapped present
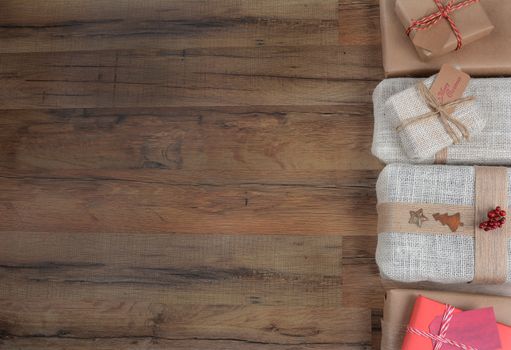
423, 138
491, 146
428, 219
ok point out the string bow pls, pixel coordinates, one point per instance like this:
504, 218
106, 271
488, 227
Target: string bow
441, 111
444, 11
441, 339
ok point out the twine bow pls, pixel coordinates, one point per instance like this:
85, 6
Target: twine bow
440, 339
444, 11
440, 111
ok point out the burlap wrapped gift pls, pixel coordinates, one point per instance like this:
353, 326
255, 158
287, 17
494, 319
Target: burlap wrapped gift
433, 252
423, 138
492, 145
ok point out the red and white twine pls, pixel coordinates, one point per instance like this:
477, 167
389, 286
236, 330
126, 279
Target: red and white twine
440, 339
444, 11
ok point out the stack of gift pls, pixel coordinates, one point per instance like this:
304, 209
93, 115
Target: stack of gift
432, 220
444, 223
429, 320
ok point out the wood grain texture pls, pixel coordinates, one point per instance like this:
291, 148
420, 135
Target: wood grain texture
177, 287
186, 269
271, 325
309, 75
361, 280
274, 145
97, 205
359, 22
188, 175
70, 159
75, 25
44, 343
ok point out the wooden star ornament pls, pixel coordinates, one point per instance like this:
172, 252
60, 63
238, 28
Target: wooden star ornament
417, 217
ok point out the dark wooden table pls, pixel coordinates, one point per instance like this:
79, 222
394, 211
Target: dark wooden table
190, 174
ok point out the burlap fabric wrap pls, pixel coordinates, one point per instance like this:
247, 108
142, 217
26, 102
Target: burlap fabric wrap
424, 138
492, 145
437, 254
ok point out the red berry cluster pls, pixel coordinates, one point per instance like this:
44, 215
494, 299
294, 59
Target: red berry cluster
496, 218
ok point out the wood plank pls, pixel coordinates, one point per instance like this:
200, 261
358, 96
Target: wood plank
363, 286
138, 319
361, 279
34, 343
359, 22
273, 145
176, 150
312, 75
376, 332
188, 175
104, 205
170, 268
272, 290
63, 25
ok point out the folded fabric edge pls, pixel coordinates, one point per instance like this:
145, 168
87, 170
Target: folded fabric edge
389, 269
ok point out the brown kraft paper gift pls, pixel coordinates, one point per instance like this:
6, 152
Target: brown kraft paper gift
439, 38
486, 57
399, 305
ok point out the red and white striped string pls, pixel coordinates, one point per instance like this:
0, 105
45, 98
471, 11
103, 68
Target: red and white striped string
444, 11
441, 339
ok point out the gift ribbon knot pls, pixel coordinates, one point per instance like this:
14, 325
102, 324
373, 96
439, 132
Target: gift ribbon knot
441, 111
441, 339
444, 11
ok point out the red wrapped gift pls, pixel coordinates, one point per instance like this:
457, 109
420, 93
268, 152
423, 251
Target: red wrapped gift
432, 322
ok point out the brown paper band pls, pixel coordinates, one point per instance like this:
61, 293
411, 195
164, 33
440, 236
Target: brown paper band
441, 156
491, 248
393, 217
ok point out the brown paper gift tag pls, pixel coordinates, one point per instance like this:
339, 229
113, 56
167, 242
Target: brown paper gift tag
449, 85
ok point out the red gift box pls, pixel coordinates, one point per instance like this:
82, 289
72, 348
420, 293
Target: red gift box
425, 312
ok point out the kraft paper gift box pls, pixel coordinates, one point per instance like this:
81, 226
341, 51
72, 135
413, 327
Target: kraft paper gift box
428, 224
491, 146
488, 56
399, 306
439, 39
